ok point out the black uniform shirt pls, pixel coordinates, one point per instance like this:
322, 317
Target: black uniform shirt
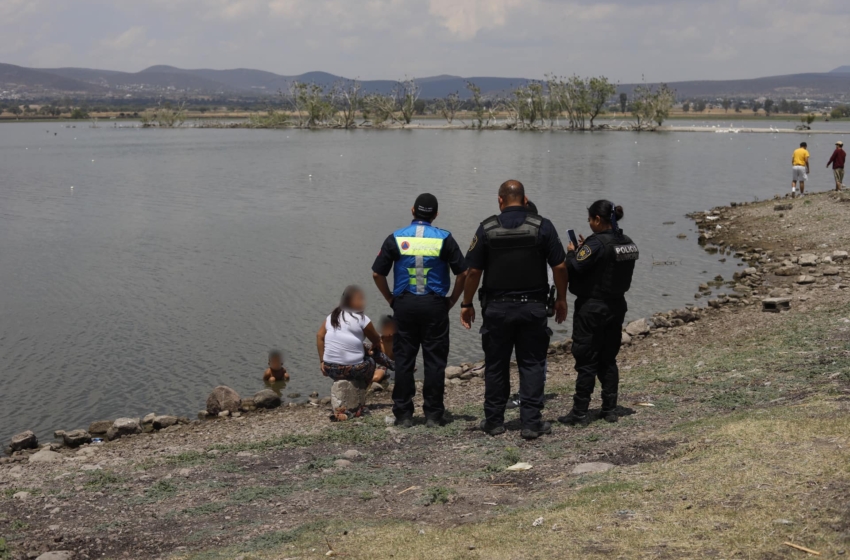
582, 261
513, 217
450, 252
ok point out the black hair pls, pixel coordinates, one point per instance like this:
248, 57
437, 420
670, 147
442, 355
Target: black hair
512, 191
344, 305
275, 353
803, 145
606, 211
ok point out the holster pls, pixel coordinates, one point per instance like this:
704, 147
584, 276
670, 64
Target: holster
550, 302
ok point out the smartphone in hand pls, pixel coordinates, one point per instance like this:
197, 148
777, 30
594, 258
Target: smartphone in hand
572, 235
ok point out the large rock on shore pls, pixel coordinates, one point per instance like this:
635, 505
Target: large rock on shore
76, 438
124, 427
223, 398
45, 456
23, 440
349, 395
637, 328
453, 372
808, 259
266, 399
100, 427
164, 421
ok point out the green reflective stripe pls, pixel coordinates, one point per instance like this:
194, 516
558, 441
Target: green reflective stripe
420, 246
412, 272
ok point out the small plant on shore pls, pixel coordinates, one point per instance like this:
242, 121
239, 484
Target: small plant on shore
98, 480
512, 455
160, 490
5, 553
436, 495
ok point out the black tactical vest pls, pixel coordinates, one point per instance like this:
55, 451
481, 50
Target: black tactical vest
515, 260
611, 276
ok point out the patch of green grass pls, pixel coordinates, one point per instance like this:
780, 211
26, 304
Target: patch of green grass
5, 553
9, 492
206, 509
436, 495
320, 463
366, 496
18, 525
511, 455
160, 490
187, 459
99, 480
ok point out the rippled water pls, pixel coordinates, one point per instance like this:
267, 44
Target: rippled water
180, 257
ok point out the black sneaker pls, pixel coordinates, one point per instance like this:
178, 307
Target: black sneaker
573, 419
514, 402
491, 429
406, 422
609, 416
433, 423
544, 429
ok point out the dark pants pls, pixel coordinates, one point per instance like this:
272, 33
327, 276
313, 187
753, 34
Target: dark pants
420, 321
597, 335
520, 326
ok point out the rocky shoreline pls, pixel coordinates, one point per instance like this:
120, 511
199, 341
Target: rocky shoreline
254, 476
717, 234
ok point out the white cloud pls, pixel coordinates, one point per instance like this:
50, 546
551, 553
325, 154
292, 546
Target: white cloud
465, 18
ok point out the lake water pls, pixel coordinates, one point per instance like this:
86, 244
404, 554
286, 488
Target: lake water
181, 256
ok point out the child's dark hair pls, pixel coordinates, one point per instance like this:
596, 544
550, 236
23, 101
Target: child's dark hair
344, 305
386, 321
275, 353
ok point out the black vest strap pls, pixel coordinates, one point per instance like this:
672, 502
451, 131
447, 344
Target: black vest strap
515, 260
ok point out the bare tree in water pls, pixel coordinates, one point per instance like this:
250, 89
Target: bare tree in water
449, 105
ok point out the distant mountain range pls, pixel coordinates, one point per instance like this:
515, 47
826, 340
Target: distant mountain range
243, 82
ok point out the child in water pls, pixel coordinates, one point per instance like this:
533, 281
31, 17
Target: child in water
387, 326
275, 372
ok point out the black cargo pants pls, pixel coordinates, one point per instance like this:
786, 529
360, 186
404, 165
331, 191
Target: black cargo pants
597, 336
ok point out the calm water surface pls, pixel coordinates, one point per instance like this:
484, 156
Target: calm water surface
180, 257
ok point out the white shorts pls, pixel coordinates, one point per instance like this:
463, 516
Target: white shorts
799, 174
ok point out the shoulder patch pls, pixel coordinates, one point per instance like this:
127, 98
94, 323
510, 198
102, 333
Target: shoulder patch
474, 242
584, 253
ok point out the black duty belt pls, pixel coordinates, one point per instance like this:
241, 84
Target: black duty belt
517, 299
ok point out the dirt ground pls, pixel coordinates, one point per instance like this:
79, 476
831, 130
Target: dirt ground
731, 442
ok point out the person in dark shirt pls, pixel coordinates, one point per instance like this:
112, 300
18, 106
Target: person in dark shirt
600, 270
421, 257
512, 251
837, 161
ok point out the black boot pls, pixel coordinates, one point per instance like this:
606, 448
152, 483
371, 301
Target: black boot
609, 407
578, 415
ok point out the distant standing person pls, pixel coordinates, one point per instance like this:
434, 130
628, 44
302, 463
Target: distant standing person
800, 169
837, 162
422, 258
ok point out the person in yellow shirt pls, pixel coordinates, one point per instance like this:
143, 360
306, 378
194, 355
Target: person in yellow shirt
800, 169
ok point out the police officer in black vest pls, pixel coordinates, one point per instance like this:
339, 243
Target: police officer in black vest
513, 251
600, 271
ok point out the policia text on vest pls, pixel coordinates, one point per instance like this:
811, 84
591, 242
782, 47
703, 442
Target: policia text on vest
512, 252
421, 258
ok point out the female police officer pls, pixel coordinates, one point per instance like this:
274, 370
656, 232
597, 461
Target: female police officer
600, 275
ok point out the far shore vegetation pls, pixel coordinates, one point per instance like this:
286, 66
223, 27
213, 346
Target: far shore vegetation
556, 103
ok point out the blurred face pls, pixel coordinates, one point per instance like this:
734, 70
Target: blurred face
358, 301
275, 362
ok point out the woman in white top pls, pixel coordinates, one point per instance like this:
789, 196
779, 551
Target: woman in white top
341, 338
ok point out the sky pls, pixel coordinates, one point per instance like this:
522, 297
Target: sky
625, 40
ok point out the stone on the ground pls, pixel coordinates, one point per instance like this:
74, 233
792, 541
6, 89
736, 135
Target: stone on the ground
786, 270
750, 271
248, 405
21, 496
831, 271
148, 418
637, 328
223, 398
685, 315
266, 399
164, 421
839, 256
325, 401
76, 438
453, 372
124, 427
351, 454
776, 304
376, 388
224, 414
342, 463
349, 395
91, 468
45, 456
805, 279
626, 339
24, 440
100, 427
782, 207
56, 555
808, 259
586, 468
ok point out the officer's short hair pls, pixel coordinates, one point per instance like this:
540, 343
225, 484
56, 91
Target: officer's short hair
512, 191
